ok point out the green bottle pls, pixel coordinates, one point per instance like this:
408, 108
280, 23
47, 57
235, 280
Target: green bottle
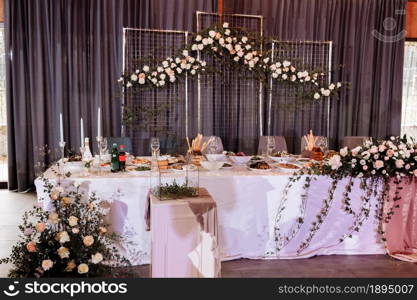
115, 166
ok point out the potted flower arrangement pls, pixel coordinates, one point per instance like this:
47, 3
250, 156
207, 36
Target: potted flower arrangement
70, 240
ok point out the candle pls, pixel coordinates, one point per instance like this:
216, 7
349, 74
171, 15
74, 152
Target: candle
99, 122
61, 128
82, 132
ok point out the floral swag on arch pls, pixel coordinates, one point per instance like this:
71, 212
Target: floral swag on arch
244, 53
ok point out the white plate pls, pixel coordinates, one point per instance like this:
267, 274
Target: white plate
260, 171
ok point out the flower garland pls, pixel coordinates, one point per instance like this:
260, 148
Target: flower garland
376, 163
243, 51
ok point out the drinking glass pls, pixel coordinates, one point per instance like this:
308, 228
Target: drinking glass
155, 146
270, 145
214, 146
103, 146
323, 144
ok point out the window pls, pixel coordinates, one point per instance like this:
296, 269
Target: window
3, 122
409, 107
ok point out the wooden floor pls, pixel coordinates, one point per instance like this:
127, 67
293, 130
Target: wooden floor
13, 205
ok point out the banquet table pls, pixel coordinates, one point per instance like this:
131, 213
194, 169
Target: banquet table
250, 210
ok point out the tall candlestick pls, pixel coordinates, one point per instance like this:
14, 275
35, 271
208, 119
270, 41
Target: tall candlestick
82, 132
61, 128
99, 122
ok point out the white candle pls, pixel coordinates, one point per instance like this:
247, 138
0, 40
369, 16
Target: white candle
99, 122
61, 128
82, 132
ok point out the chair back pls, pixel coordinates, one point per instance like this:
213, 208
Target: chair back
217, 140
126, 141
353, 141
280, 144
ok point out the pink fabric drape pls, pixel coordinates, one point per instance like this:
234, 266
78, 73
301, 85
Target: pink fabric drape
401, 230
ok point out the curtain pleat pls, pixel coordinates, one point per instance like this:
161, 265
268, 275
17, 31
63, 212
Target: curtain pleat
66, 56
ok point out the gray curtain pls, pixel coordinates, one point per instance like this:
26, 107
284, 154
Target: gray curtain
372, 105
65, 56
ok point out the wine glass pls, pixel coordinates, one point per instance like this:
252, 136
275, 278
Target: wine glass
155, 146
103, 146
322, 144
270, 145
214, 146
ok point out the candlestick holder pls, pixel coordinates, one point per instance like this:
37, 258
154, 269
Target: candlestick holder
100, 146
62, 160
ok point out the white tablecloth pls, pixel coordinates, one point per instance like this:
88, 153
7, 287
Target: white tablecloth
247, 206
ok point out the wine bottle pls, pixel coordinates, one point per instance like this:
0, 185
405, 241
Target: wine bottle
122, 158
115, 166
87, 156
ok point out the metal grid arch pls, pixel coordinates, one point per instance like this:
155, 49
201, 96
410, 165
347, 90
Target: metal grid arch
142, 46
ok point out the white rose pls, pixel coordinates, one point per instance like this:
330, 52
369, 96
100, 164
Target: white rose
338, 85
335, 162
141, 81
251, 64
248, 47
134, 77
284, 76
286, 63
205, 42
172, 79
227, 32
72, 221
63, 252
128, 85
198, 38
331, 86
244, 39
96, 258
192, 72
362, 162
165, 64
293, 78
399, 163
344, 151
200, 47
194, 47
316, 95
185, 53
82, 269
146, 69
307, 78
366, 154
373, 150
47, 264
63, 237
274, 75
236, 58
225, 25
356, 150
325, 93
212, 33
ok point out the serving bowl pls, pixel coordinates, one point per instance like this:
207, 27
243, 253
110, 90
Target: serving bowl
240, 160
216, 157
212, 165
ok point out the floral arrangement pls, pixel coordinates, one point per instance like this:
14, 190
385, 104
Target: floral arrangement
394, 157
71, 240
377, 163
243, 50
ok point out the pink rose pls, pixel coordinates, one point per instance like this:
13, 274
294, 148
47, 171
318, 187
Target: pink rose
31, 246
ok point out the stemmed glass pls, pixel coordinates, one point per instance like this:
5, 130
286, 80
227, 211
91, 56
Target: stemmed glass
214, 146
103, 146
155, 147
270, 145
323, 144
